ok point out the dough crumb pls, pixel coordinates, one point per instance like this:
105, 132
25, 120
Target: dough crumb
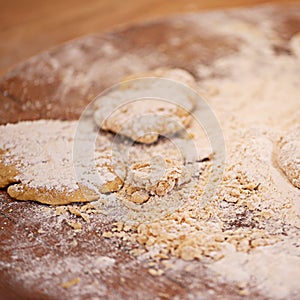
70, 283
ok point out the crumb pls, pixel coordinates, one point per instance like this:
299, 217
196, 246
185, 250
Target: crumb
70, 283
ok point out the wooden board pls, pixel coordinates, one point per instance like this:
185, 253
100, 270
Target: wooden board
24, 23
38, 250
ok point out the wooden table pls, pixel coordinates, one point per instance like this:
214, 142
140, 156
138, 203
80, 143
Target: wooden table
37, 253
28, 27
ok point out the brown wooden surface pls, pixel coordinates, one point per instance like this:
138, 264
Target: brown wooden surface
28, 27
34, 264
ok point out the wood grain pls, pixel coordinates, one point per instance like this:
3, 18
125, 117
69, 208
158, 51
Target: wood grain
28, 27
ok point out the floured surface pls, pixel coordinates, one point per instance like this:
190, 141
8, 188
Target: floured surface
240, 243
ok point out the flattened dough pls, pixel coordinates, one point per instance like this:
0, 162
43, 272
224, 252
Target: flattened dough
36, 162
146, 119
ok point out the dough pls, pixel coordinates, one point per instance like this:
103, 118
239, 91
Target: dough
123, 111
36, 162
288, 157
156, 177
